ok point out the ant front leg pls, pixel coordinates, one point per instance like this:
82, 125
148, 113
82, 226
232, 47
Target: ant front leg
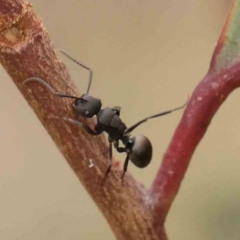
85, 126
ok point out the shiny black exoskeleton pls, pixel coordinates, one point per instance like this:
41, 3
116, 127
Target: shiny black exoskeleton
138, 148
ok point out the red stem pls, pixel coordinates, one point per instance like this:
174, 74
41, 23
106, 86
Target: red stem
205, 101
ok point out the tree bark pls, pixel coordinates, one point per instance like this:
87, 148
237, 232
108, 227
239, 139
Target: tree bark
26, 51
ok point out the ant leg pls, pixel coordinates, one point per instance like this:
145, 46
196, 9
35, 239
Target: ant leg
85, 126
119, 149
117, 110
130, 129
109, 164
125, 167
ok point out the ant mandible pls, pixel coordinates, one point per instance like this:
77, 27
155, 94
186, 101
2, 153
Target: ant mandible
138, 148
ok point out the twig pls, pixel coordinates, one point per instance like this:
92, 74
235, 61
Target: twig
222, 78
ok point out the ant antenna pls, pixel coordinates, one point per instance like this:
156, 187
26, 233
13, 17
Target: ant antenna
89, 69
31, 79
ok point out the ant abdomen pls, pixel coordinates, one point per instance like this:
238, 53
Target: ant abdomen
141, 151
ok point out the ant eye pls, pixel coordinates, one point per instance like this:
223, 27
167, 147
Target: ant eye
86, 112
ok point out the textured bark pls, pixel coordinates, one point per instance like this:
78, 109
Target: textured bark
26, 51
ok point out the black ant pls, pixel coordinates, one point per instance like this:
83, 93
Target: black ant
138, 148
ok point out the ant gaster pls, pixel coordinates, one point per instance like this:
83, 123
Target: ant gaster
138, 148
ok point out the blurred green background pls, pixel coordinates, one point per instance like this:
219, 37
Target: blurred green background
147, 56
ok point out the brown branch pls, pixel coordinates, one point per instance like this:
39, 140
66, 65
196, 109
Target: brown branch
26, 51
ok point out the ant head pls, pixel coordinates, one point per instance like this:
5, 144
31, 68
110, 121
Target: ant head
87, 106
140, 150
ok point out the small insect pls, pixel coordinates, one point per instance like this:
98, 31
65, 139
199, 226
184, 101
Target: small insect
138, 148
